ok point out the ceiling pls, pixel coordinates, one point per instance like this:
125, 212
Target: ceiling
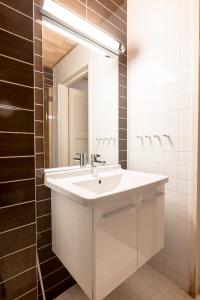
55, 46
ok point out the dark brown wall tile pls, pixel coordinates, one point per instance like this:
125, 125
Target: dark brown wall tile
16, 120
42, 192
105, 12
43, 223
48, 70
122, 144
39, 161
17, 239
76, 6
123, 59
60, 288
17, 192
122, 102
32, 295
122, 112
37, 13
114, 9
122, 4
38, 46
38, 63
122, 155
16, 71
38, 96
122, 70
38, 2
50, 266
38, 30
45, 253
38, 80
19, 285
39, 176
122, 91
43, 207
122, 80
16, 168
39, 131
48, 82
18, 262
44, 238
122, 134
48, 76
39, 112
13, 144
123, 123
23, 6
16, 96
39, 145
55, 278
106, 26
16, 216
15, 22
16, 47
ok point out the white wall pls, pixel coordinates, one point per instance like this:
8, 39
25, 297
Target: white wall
81, 85
160, 101
102, 93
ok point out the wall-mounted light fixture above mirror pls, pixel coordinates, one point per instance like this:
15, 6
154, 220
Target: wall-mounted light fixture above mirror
68, 22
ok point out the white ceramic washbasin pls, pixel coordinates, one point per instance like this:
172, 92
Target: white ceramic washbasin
82, 187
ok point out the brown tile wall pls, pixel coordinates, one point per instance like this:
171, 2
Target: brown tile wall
17, 161
109, 15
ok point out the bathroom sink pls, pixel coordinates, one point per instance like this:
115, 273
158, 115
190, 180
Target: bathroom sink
101, 185
112, 181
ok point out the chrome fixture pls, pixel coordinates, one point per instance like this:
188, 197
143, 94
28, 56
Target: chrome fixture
139, 137
156, 136
147, 136
166, 135
82, 159
66, 22
94, 164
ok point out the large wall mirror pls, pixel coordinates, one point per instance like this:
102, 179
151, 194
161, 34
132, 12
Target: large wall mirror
81, 100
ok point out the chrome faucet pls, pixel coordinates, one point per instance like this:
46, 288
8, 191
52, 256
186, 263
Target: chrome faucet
94, 164
82, 159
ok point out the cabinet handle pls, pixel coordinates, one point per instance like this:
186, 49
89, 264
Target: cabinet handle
147, 199
118, 211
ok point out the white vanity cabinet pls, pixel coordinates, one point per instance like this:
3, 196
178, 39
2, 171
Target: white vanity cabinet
150, 223
105, 228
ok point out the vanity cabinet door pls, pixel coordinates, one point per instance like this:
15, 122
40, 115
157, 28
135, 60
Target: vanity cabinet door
115, 242
150, 224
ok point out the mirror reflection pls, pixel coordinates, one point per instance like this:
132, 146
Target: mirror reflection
81, 101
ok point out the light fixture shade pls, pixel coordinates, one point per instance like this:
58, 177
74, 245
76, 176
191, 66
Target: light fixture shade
81, 28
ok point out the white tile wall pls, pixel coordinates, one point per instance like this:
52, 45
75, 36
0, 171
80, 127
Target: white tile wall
160, 95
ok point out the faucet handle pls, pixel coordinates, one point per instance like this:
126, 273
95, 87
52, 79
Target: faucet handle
94, 157
82, 158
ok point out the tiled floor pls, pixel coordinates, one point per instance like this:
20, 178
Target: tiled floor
146, 284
